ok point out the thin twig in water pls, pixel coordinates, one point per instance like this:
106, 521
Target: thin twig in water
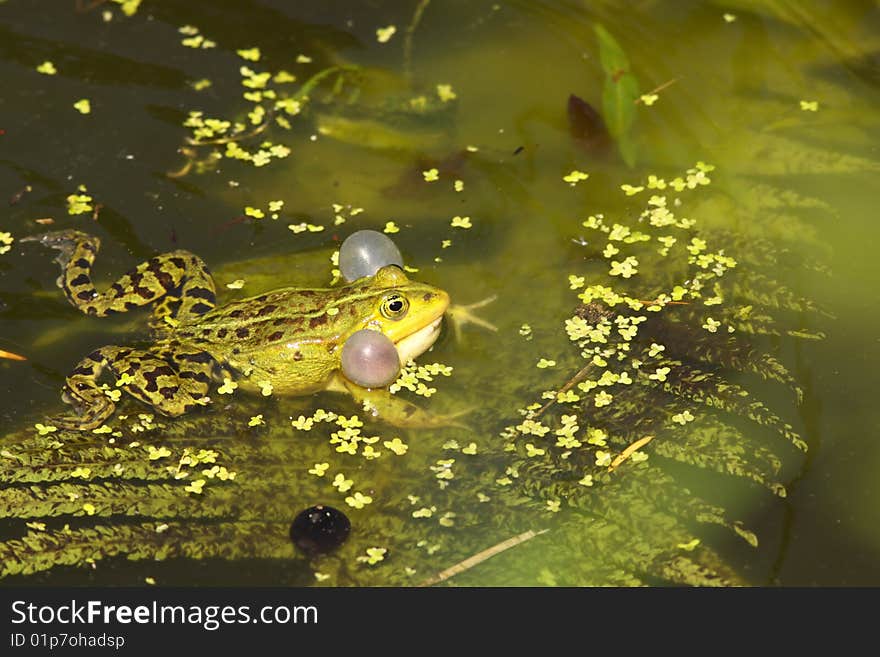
577, 378
625, 454
657, 90
190, 155
480, 557
84, 6
668, 303
19, 194
408, 37
238, 136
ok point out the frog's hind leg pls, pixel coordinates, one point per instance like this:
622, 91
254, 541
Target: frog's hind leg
179, 278
194, 296
172, 385
147, 376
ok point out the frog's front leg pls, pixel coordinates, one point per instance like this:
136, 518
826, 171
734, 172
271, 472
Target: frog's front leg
171, 386
461, 315
179, 279
396, 410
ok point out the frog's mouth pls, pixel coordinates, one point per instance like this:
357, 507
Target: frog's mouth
415, 344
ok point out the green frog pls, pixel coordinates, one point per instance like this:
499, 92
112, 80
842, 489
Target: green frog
289, 340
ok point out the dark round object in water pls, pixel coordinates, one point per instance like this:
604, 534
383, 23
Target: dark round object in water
319, 529
365, 252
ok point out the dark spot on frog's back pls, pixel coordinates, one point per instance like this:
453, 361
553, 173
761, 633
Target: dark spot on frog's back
222, 333
198, 357
153, 375
242, 332
195, 376
82, 263
315, 322
277, 335
165, 279
428, 296
168, 392
201, 308
201, 293
82, 279
266, 310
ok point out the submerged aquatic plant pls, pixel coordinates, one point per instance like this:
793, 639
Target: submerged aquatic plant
669, 335
661, 348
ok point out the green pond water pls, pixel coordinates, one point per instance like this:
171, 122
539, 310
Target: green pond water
780, 97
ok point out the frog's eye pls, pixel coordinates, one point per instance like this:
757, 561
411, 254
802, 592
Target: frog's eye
394, 306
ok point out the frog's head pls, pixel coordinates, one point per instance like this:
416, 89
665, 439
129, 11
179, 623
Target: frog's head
409, 313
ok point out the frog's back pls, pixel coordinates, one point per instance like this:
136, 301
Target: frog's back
291, 310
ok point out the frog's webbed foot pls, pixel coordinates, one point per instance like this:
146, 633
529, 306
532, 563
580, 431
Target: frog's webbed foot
91, 405
460, 315
178, 278
66, 241
91, 409
58, 239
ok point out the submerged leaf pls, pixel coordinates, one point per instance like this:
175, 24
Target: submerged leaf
586, 125
619, 93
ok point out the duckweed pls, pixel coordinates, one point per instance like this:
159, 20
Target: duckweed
446, 94
374, 555
47, 68
229, 386
79, 203
384, 34
358, 500
575, 177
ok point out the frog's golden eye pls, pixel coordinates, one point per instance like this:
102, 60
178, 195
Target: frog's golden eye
394, 306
